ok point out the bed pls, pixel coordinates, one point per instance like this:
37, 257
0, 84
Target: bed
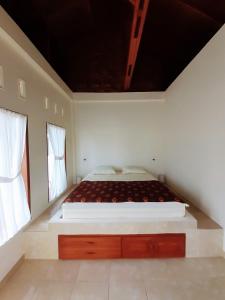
137, 198
119, 196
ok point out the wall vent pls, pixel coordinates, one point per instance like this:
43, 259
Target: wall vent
46, 103
1, 78
22, 88
55, 108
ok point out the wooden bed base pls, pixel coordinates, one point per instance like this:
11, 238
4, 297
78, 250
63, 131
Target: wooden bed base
167, 245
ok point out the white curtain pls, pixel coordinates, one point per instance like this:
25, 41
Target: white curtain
14, 209
56, 161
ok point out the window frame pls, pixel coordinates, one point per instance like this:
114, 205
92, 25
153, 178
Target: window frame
25, 168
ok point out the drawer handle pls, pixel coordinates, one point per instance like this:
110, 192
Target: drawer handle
90, 243
90, 252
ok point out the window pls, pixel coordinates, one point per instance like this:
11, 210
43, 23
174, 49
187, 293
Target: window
56, 161
14, 208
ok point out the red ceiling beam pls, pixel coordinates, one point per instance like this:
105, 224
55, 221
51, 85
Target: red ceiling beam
139, 16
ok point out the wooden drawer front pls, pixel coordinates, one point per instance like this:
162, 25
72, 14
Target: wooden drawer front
155, 246
84, 247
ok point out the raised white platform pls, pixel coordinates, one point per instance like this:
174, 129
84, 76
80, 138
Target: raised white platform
120, 226
204, 238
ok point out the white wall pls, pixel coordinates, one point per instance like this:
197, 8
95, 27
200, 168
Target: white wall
10, 253
119, 133
195, 132
18, 64
20, 41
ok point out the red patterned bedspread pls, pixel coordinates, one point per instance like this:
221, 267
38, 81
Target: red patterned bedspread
121, 191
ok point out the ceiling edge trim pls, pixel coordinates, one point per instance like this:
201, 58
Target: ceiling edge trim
121, 101
134, 97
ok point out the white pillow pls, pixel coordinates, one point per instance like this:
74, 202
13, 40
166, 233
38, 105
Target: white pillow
133, 170
104, 170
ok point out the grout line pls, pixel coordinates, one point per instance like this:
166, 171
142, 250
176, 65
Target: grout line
108, 290
146, 293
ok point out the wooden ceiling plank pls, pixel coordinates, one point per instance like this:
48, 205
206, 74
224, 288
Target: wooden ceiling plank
132, 2
139, 16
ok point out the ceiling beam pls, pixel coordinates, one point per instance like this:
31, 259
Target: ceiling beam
139, 16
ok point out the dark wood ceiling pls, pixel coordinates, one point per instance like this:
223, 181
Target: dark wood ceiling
87, 41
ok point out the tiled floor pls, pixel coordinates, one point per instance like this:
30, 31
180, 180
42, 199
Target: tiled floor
176, 279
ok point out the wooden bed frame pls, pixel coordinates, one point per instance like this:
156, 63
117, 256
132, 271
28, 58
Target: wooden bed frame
168, 245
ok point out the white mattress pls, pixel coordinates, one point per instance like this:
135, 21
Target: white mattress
132, 210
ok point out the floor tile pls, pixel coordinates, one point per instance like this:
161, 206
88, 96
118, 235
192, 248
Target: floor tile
166, 290
94, 271
127, 291
90, 291
63, 270
154, 269
54, 290
32, 270
125, 271
182, 268
186, 290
